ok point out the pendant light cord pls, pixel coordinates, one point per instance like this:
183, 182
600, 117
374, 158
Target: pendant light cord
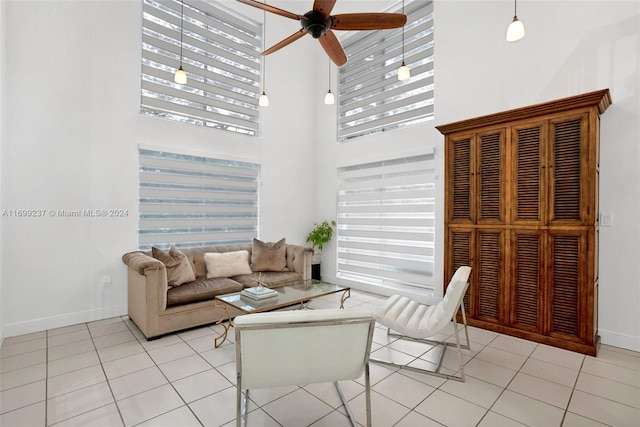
264, 40
403, 33
181, 28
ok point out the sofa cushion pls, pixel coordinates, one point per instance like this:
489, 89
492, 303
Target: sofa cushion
272, 279
196, 256
201, 290
178, 267
227, 264
269, 256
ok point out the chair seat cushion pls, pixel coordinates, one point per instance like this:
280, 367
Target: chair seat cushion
410, 318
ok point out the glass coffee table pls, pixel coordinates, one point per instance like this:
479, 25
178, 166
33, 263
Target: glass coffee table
286, 296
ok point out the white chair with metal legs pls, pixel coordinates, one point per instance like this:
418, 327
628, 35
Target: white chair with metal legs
302, 347
419, 322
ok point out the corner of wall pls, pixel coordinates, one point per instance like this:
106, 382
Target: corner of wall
2, 120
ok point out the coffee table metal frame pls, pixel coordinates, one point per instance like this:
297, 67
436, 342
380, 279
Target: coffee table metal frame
288, 295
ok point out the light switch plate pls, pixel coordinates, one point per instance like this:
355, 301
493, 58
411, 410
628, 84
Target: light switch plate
606, 219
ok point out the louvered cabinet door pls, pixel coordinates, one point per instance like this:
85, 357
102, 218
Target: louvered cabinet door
571, 196
459, 247
571, 296
527, 280
490, 177
489, 297
529, 174
460, 176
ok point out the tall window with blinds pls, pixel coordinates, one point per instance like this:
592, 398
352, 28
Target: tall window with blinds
371, 98
386, 220
221, 56
191, 201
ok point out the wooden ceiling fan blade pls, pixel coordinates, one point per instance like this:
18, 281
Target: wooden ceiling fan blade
324, 6
332, 46
368, 21
272, 9
295, 36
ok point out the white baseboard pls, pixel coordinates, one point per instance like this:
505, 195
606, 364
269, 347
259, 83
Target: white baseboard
59, 321
616, 339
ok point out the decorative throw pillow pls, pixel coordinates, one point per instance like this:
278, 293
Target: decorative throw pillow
268, 256
227, 264
178, 267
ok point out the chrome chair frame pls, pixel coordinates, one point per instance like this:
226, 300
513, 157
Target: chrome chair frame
459, 305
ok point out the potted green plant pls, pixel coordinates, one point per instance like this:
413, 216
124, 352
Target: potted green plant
318, 237
321, 234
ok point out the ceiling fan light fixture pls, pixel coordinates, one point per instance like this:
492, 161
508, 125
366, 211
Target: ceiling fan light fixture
263, 101
316, 24
329, 99
403, 72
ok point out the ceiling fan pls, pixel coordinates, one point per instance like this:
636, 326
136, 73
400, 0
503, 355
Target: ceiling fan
320, 24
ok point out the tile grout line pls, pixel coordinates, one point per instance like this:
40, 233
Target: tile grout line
74, 370
171, 383
165, 376
573, 389
509, 383
115, 402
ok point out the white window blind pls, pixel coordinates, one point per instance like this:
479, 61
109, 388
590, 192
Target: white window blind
191, 201
371, 98
221, 56
386, 220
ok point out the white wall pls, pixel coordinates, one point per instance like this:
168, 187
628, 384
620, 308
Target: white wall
571, 47
71, 130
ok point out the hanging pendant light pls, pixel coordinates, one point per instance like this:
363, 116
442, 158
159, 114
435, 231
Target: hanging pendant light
329, 99
403, 72
181, 76
516, 29
263, 101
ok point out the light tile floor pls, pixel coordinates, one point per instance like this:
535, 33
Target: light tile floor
106, 374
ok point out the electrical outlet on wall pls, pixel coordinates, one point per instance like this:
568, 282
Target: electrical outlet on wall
106, 281
606, 219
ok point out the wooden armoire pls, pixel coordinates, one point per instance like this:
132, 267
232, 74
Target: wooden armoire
521, 208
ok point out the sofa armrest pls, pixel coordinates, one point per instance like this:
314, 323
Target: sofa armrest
299, 260
152, 273
139, 261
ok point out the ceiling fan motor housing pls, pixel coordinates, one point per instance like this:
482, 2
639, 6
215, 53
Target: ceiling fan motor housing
316, 24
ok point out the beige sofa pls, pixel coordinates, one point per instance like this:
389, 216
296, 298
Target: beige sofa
157, 308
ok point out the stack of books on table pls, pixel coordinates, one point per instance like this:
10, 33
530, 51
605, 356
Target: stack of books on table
258, 292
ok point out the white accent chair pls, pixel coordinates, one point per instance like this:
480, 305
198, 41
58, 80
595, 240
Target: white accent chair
419, 322
302, 347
